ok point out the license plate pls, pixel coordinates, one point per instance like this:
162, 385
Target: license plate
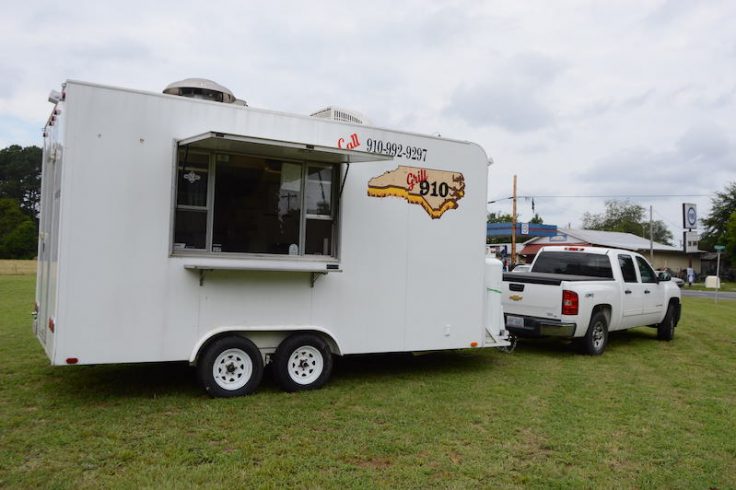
514, 321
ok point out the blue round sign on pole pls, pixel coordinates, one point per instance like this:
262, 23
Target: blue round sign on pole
689, 215
692, 217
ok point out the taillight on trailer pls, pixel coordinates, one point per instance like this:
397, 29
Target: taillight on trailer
569, 303
52, 325
72, 360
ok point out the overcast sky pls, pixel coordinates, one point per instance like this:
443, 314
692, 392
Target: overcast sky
623, 98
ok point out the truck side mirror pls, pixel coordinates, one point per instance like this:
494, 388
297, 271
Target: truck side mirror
664, 276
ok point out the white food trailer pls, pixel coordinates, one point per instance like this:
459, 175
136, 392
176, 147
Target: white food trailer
187, 226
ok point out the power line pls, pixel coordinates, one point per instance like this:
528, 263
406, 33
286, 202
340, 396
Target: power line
601, 196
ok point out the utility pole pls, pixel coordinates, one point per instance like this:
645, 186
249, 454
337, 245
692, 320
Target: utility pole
513, 226
651, 237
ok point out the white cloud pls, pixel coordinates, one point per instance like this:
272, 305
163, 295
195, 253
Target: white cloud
574, 97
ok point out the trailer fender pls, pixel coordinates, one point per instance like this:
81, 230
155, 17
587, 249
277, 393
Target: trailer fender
285, 330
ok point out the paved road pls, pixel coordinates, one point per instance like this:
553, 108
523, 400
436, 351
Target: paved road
708, 294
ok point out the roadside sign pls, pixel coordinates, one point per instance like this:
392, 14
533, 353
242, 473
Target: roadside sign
717, 278
504, 229
689, 215
690, 241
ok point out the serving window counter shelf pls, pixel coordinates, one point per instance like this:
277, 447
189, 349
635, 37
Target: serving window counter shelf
202, 265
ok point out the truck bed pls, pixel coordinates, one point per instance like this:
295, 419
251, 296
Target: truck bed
548, 278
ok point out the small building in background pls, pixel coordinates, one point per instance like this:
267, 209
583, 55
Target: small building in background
664, 257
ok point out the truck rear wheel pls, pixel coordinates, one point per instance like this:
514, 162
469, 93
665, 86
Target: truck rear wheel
302, 362
596, 338
231, 366
666, 329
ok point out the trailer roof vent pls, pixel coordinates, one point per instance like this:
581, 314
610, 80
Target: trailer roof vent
342, 115
201, 88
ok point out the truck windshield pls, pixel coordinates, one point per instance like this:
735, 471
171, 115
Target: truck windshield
574, 263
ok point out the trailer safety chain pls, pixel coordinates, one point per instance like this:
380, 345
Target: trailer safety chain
508, 349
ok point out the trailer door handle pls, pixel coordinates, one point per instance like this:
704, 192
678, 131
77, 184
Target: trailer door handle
628, 291
646, 291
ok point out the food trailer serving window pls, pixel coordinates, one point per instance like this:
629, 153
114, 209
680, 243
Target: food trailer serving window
242, 195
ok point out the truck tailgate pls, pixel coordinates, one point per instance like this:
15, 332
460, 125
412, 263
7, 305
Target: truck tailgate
532, 299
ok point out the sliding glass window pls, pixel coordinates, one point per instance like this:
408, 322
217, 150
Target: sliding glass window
250, 204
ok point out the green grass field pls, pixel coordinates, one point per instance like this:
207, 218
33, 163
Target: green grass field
725, 286
647, 414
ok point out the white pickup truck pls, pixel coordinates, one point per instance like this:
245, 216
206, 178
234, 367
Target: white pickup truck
585, 292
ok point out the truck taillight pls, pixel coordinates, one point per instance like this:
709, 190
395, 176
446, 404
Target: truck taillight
569, 303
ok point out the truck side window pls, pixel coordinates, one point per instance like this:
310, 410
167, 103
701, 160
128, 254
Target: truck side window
647, 274
626, 263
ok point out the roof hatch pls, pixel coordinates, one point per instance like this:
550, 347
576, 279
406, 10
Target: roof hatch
201, 88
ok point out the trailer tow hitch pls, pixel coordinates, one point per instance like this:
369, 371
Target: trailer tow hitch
508, 349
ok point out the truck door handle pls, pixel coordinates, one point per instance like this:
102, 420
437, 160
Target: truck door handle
646, 291
628, 291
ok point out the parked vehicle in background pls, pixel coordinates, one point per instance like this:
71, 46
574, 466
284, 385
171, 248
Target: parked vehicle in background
522, 268
586, 292
672, 277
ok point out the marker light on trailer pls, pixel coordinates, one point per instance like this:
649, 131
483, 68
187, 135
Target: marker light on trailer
52, 325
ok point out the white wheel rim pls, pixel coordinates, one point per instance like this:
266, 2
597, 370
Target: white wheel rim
232, 369
305, 365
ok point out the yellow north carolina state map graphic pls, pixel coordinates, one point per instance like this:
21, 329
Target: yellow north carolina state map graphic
435, 190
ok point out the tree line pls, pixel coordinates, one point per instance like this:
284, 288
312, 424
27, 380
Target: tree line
20, 193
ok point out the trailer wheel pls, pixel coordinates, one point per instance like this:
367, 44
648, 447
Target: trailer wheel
596, 338
302, 362
666, 329
231, 366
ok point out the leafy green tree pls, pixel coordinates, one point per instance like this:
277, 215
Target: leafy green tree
17, 232
20, 177
731, 238
536, 220
723, 205
499, 218
625, 217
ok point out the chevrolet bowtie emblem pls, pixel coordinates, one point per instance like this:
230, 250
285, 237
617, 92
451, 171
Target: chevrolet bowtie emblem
516, 297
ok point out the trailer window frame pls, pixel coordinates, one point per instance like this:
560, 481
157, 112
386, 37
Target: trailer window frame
308, 157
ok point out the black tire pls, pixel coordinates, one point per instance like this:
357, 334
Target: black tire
596, 338
666, 329
302, 362
231, 366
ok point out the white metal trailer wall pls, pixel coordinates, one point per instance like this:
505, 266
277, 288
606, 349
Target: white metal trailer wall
409, 282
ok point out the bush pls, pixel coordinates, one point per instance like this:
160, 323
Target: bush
17, 232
